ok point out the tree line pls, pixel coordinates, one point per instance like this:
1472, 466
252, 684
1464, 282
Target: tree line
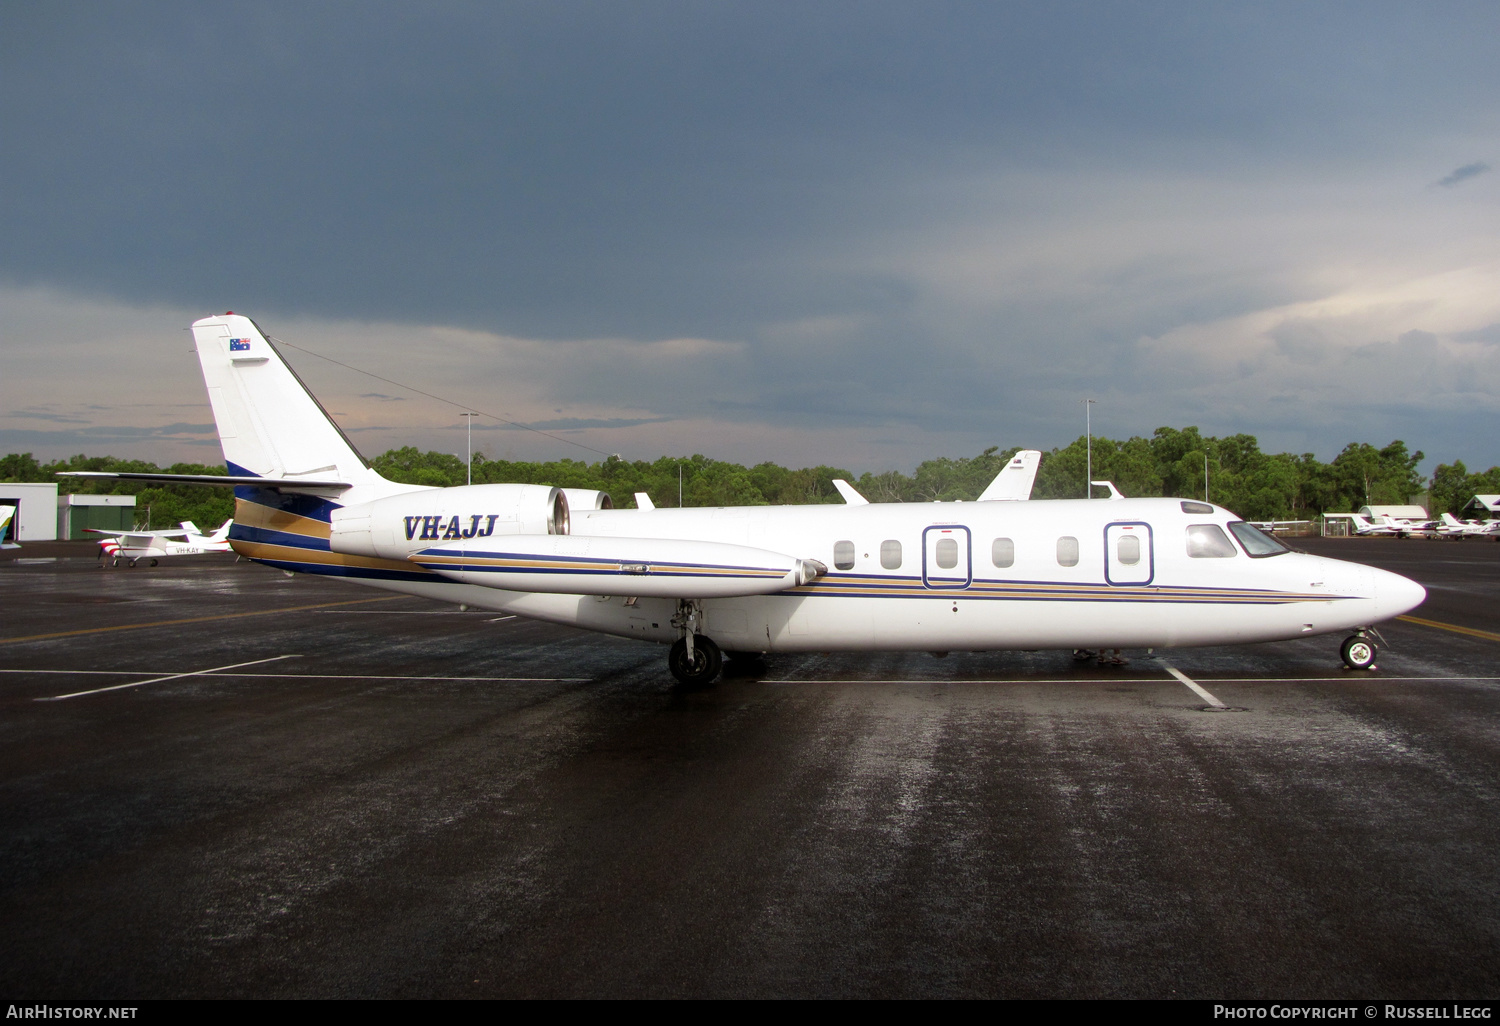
1232, 471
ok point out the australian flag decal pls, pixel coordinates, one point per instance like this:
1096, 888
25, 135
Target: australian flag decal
239, 345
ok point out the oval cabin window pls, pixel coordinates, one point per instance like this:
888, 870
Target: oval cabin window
1003, 552
843, 555
947, 553
1067, 551
1129, 549
890, 554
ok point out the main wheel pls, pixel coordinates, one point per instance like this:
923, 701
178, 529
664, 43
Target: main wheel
1359, 652
707, 661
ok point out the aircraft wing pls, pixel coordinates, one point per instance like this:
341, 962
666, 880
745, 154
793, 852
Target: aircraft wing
641, 567
137, 537
284, 484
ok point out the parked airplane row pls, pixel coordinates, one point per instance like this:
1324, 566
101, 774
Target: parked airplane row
1005, 572
1445, 526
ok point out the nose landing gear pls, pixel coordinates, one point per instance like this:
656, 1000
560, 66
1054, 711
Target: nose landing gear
1359, 651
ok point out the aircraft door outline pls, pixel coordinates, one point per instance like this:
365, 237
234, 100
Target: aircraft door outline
957, 574
1119, 570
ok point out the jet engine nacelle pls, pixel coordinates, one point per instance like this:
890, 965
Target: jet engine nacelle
582, 500
397, 526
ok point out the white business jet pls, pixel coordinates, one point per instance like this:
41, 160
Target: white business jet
154, 545
984, 575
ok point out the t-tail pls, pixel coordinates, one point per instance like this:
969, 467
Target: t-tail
269, 423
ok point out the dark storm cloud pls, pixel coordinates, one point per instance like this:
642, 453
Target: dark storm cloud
1462, 174
947, 217
581, 168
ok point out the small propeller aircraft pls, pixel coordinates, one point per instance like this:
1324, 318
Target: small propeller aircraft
1449, 526
153, 545
1005, 572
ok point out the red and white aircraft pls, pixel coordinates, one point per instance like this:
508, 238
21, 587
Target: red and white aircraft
153, 545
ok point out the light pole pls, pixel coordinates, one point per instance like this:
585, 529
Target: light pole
1088, 428
469, 419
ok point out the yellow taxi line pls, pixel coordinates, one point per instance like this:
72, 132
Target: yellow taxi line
1455, 628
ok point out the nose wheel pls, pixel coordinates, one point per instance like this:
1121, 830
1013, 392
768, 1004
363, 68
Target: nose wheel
1359, 652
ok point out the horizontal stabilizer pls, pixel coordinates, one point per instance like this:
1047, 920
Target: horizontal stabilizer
283, 484
642, 567
1015, 481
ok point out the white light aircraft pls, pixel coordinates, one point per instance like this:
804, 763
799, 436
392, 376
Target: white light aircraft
1449, 526
153, 545
1380, 527
933, 576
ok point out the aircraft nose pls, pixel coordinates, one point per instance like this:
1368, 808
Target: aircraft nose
1396, 594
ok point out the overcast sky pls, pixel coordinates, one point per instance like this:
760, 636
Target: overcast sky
855, 233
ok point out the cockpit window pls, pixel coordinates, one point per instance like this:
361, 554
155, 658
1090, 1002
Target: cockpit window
1207, 541
1256, 542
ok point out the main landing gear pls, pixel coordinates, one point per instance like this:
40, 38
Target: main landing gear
694, 660
1359, 651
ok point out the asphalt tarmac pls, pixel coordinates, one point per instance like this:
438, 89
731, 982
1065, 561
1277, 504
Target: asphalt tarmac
248, 784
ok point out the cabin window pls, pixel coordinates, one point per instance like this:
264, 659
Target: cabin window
1128, 550
946, 552
1207, 541
1002, 552
843, 555
890, 554
1067, 551
1257, 543
1188, 506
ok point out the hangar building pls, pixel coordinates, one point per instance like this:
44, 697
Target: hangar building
44, 515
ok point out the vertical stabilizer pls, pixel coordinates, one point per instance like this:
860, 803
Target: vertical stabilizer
851, 496
269, 423
1015, 481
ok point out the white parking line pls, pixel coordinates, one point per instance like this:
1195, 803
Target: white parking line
404, 612
1197, 690
172, 676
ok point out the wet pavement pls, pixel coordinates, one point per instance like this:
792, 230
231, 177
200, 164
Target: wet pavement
375, 795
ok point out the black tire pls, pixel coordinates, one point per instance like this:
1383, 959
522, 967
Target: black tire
153, 562
1358, 652
707, 661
